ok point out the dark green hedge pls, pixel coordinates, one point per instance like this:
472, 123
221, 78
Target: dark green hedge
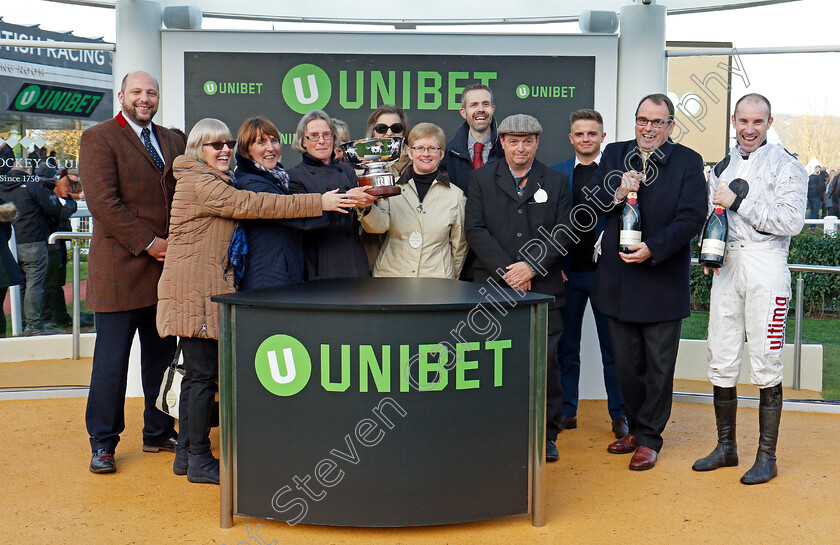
822, 291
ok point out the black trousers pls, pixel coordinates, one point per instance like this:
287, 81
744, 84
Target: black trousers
54, 305
198, 393
105, 414
645, 357
3, 291
554, 375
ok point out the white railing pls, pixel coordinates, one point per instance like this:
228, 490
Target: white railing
81, 223
828, 223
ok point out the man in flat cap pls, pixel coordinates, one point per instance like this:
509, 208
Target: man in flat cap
517, 223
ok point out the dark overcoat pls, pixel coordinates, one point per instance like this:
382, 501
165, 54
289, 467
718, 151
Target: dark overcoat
502, 226
335, 250
672, 204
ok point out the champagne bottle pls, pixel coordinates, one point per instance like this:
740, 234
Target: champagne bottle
631, 224
713, 246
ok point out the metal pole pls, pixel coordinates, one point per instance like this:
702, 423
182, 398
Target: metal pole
77, 298
641, 60
95, 46
797, 335
717, 51
539, 331
75, 239
226, 431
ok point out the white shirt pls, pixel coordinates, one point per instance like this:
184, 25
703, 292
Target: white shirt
597, 160
138, 129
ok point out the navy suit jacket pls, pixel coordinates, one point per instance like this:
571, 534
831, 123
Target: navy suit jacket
672, 205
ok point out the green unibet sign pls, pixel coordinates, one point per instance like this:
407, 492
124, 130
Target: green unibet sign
308, 87
49, 99
283, 366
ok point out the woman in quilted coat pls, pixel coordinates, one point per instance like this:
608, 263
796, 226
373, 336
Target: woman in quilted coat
205, 209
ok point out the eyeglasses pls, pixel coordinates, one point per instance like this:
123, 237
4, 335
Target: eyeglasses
314, 137
382, 128
421, 149
221, 143
655, 123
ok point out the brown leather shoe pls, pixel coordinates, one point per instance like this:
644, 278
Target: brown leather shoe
567, 422
643, 458
625, 445
168, 446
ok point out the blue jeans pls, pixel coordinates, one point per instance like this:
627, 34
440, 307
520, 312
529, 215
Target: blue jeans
578, 292
32, 258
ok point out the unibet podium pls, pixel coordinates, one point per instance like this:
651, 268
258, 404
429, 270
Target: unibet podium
382, 402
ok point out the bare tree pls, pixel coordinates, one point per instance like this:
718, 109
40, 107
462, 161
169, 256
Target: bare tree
811, 135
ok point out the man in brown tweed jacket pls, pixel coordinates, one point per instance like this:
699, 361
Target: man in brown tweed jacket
126, 170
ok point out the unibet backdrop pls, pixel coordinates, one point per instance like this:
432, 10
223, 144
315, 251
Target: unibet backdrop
234, 86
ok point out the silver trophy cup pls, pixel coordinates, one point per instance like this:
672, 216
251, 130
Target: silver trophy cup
374, 155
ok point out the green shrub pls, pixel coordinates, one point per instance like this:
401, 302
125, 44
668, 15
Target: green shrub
701, 284
822, 290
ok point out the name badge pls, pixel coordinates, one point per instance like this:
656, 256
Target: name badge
415, 239
540, 196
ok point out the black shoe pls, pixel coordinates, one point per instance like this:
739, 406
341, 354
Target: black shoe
57, 325
203, 468
61, 322
551, 453
53, 329
620, 427
167, 445
182, 459
102, 461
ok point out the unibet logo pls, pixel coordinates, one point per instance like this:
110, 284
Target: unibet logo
522, 91
27, 97
306, 87
283, 365
210, 87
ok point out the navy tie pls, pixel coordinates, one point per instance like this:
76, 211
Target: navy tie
152, 151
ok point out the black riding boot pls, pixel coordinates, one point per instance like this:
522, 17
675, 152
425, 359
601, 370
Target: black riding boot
769, 415
726, 451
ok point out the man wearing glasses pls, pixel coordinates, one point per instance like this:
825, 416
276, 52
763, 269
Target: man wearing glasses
511, 205
126, 170
645, 292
